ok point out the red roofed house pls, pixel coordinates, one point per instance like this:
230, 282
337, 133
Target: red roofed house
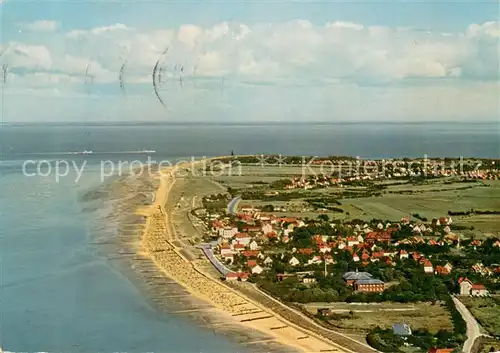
479, 290
225, 250
441, 350
324, 248
444, 221
469, 288
365, 256
228, 258
232, 276
251, 263
242, 238
250, 253
428, 266
244, 217
250, 228
305, 251
403, 254
373, 237
442, 270
239, 247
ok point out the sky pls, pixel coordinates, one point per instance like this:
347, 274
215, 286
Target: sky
244, 61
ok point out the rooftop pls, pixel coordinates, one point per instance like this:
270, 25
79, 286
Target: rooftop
355, 275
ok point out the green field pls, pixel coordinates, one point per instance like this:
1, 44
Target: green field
368, 316
486, 311
432, 199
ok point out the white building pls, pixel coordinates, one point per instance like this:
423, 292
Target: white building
294, 262
257, 270
254, 246
242, 238
227, 232
268, 261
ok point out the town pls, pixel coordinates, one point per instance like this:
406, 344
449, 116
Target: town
308, 262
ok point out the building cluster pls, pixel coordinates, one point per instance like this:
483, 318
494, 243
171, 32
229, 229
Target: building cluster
365, 244
351, 171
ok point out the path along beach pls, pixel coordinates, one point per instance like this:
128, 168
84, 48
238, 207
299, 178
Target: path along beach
156, 244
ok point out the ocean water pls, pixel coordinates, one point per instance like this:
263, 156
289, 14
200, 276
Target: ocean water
58, 295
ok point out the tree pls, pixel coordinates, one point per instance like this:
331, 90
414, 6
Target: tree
324, 217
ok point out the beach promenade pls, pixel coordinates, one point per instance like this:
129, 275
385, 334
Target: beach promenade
157, 245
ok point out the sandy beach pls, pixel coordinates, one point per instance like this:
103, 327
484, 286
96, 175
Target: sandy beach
157, 245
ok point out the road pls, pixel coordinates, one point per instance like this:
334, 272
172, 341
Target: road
231, 206
473, 329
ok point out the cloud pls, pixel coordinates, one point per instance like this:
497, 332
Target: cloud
337, 69
40, 26
336, 50
97, 31
27, 56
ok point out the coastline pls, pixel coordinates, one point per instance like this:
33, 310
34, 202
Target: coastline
156, 244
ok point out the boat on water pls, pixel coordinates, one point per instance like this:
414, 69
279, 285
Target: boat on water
148, 151
85, 152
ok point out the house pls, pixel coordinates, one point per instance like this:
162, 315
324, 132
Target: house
232, 276
228, 258
401, 329
351, 241
309, 280
239, 247
369, 285
403, 254
251, 253
305, 251
268, 261
242, 238
226, 250
227, 232
355, 257
465, 286
442, 270
315, 260
479, 290
441, 350
351, 277
323, 248
428, 266
294, 262
469, 288
267, 228
251, 263
257, 270
445, 221
253, 245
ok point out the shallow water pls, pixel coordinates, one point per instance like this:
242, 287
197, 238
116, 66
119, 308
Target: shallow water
58, 295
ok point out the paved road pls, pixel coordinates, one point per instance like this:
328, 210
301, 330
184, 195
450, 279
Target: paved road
473, 330
215, 262
231, 206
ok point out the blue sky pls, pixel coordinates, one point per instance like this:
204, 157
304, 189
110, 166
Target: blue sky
250, 60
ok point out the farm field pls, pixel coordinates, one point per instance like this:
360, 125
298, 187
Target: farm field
398, 199
486, 311
485, 345
368, 316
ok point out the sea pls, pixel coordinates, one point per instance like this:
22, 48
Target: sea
58, 294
